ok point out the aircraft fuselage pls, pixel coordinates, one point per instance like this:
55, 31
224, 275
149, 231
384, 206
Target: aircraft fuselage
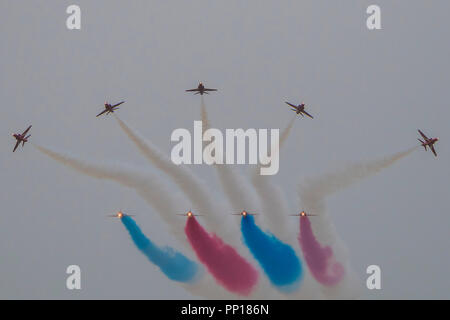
430, 142
19, 137
300, 108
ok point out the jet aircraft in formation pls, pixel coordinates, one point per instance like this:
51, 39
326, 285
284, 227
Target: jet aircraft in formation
109, 108
428, 142
21, 138
189, 214
244, 213
302, 214
201, 89
300, 109
120, 215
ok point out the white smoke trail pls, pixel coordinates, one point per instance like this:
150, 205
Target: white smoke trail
286, 132
275, 208
274, 202
199, 195
147, 186
155, 194
240, 197
237, 189
312, 195
275, 205
194, 188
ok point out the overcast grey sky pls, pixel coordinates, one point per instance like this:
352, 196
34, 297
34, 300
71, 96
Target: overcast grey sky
368, 90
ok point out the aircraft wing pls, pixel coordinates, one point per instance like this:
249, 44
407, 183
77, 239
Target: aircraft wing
192, 90
206, 89
17, 144
423, 135
308, 114
434, 151
102, 112
118, 104
291, 105
25, 132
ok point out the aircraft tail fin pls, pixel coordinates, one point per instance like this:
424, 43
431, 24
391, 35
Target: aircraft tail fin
23, 142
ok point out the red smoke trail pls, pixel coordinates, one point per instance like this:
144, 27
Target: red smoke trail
223, 262
320, 260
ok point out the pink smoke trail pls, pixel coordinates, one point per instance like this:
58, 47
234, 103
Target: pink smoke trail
320, 260
313, 194
224, 263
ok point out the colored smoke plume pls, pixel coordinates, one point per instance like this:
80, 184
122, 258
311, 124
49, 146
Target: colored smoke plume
278, 260
224, 263
172, 263
320, 260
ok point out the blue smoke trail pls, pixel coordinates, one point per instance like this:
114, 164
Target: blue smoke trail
172, 263
278, 260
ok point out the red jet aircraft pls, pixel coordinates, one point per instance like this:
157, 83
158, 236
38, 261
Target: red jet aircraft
188, 214
120, 215
201, 89
110, 108
21, 138
428, 142
300, 109
244, 214
302, 214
